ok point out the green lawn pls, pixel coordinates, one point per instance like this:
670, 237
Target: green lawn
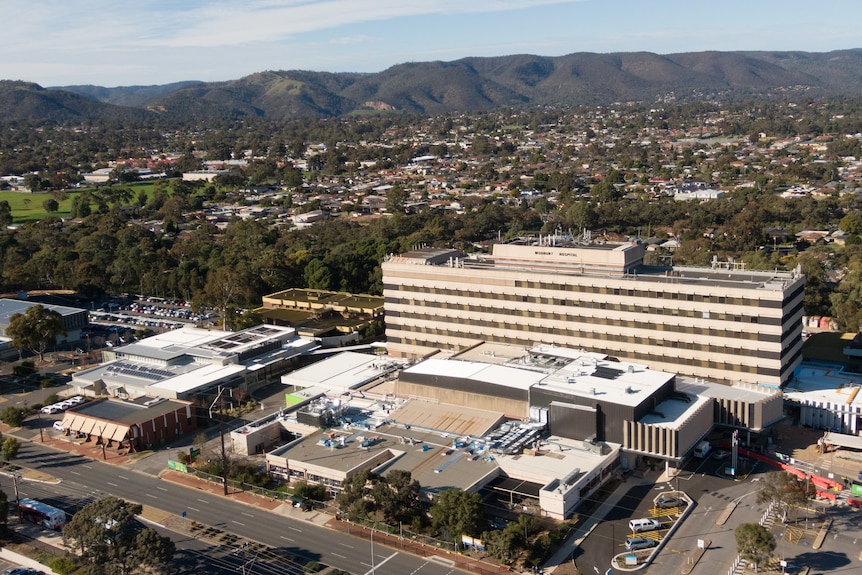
27, 207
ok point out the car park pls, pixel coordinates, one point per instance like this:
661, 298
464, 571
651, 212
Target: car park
670, 502
636, 543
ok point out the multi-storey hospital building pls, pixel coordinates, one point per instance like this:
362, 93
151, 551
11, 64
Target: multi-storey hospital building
721, 323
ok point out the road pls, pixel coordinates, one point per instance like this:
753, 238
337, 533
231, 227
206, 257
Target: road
85, 480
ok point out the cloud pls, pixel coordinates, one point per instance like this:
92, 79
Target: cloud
358, 39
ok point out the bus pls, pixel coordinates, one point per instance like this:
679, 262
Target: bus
42, 514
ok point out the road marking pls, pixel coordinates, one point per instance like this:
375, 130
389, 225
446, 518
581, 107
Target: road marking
193, 509
294, 529
237, 522
150, 495
87, 466
384, 561
337, 555
123, 477
74, 472
112, 484
246, 514
286, 538
346, 545
202, 501
161, 488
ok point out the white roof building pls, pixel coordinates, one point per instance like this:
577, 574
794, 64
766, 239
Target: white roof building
182, 363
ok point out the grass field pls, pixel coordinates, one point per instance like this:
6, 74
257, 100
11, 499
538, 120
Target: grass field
27, 207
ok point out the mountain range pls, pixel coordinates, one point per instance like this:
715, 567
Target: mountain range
466, 85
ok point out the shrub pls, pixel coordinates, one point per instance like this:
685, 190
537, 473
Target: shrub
312, 567
12, 416
63, 565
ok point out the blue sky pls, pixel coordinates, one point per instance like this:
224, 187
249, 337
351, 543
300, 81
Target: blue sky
110, 43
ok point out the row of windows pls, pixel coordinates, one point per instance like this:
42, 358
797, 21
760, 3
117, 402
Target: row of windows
593, 336
471, 318
619, 307
650, 294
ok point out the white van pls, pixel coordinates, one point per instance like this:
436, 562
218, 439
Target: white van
702, 449
641, 525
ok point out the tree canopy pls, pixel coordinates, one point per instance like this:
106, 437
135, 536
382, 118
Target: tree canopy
754, 543
112, 542
785, 489
36, 329
458, 513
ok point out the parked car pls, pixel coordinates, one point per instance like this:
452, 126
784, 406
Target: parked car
670, 502
51, 409
641, 525
58, 425
721, 454
635, 543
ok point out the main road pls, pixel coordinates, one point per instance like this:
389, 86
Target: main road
85, 480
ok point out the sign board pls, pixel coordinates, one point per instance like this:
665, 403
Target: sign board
631, 559
730, 471
194, 451
855, 489
701, 544
177, 466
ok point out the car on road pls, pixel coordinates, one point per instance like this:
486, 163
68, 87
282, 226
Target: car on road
635, 543
670, 502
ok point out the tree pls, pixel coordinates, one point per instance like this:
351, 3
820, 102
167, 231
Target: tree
754, 543
785, 489
12, 416
51, 205
5, 214
111, 543
4, 508
35, 330
457, 512
10, 448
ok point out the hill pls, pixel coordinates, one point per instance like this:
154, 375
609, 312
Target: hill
473, 84
27, 101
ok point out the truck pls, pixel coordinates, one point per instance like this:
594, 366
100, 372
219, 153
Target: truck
42, 513
702, 449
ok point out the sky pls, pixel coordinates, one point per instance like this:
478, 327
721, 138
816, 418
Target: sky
147, 42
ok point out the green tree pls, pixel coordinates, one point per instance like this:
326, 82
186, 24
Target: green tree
51, 205
12, 416
108, 535
35, 330
457, 513
5, 214
786, 490
754, 543
10, 448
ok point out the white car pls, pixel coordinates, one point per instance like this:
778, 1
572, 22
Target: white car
76, 400
58, 425
51, 409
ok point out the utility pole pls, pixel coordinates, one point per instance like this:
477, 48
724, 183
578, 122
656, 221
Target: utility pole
224, 461
17, 499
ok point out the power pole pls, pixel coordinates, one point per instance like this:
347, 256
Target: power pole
224, 460
17, 499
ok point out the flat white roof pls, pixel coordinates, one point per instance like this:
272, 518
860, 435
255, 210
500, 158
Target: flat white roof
617, 382
825, 385
674, 413
343, 371
202, 376
486, 372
